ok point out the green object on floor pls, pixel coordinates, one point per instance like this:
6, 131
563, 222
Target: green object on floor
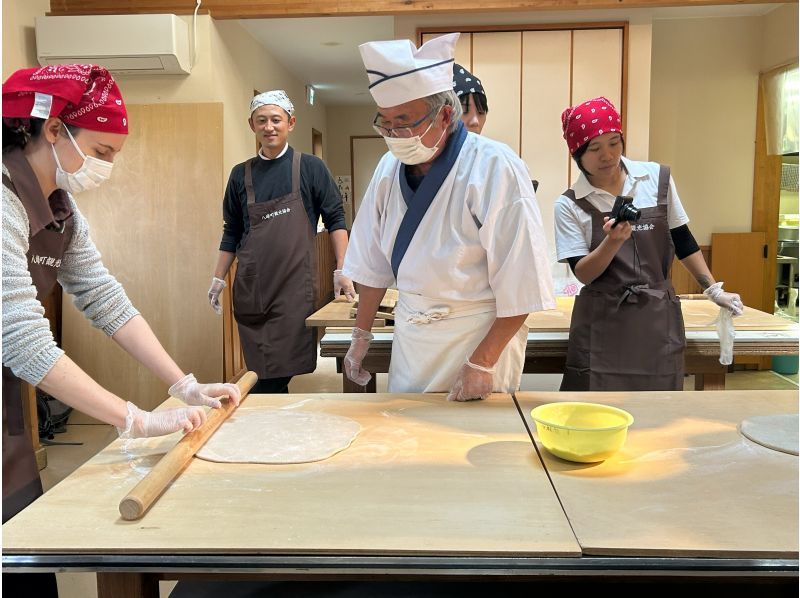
784, 364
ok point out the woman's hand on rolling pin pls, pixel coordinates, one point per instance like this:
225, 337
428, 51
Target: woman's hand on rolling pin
191, 392
144, 424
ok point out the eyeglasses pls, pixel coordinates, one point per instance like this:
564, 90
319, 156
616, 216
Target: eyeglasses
402, 132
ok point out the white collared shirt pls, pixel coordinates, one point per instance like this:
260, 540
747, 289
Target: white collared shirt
481, 239
263, 157
573, 226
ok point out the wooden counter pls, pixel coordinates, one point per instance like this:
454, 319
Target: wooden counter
438, 490
757, 334
686, 482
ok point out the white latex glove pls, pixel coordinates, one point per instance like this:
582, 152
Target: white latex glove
730, 301
472, 383
144, 424
191, 392
359, 345
727, 335
217, 284
342, 284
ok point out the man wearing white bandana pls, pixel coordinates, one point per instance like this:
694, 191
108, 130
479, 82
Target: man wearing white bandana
271, 207
452, 219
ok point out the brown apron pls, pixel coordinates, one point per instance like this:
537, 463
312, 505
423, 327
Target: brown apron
275, 284
47, 243
627, 328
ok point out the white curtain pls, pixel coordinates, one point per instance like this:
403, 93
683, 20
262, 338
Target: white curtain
781, 107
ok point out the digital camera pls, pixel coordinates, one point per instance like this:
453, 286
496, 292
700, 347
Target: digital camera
623, 210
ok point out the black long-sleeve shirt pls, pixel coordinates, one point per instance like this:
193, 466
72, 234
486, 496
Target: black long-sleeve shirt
273, 179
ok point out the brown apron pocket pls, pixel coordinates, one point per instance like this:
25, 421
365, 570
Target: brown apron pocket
247, 296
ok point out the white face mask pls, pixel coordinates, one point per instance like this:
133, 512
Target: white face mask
411, 150
92, 172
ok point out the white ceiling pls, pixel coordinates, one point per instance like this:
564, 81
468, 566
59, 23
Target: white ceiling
323, 51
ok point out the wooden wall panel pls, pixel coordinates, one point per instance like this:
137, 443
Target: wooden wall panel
497, 62
683, 282
545, 94
463, 53
766, 202
232, 354
738, 260
263, 9
157, 223
325, 262
592, 48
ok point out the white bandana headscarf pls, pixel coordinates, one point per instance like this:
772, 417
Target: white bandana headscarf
276, 97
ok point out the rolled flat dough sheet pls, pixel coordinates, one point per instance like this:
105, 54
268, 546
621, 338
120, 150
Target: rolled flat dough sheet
279, 436
778, 432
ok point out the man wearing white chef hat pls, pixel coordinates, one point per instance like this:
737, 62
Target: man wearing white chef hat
450, 218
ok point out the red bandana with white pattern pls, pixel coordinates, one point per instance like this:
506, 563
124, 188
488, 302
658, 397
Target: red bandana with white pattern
83, 95
583, 122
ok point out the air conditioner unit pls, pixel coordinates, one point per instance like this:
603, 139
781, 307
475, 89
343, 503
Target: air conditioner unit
124, 44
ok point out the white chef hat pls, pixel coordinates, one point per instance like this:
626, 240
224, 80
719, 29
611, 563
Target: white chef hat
276, 97
399, 72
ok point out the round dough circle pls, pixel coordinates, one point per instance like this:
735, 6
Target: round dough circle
278, 436
777, 432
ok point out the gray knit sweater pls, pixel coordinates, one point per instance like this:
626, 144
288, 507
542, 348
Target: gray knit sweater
28, 345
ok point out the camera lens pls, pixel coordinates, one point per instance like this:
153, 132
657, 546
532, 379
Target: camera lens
629, 213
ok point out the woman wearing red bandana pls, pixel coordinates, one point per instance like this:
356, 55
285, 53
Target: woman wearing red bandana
627, 327
62, 127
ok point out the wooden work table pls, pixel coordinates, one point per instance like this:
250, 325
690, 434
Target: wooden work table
437, 490
757, 334
686, 482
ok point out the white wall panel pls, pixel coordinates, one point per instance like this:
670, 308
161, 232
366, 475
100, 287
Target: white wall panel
497, 61
596, 67
545, 94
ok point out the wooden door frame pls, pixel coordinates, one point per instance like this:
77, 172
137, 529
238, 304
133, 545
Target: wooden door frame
316, 141
766, 197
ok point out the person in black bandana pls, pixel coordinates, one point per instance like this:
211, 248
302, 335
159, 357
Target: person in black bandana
469, 90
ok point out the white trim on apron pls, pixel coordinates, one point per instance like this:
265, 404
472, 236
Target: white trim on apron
433, 338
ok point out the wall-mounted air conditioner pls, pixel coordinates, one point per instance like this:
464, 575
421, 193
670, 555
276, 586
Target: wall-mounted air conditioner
124, 44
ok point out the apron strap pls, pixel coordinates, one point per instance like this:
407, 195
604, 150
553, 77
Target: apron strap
296, 172
9, 184
663, 184
582, 203
248, 182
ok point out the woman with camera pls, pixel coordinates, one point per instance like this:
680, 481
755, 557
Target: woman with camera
619, 227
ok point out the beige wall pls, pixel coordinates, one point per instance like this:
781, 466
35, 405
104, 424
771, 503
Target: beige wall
703, 106
230, 64
343, 122
19, 39
780, 36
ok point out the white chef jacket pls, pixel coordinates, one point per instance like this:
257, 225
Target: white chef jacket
573, 226
481, 238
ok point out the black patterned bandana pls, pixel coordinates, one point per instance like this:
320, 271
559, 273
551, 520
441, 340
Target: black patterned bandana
465, 82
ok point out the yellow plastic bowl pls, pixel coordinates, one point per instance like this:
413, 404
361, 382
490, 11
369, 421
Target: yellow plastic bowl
582, 432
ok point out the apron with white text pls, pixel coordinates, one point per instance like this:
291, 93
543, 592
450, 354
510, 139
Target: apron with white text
275, 284
627, 331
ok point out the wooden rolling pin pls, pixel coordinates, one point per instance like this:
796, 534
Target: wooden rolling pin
147, 491
692, 297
